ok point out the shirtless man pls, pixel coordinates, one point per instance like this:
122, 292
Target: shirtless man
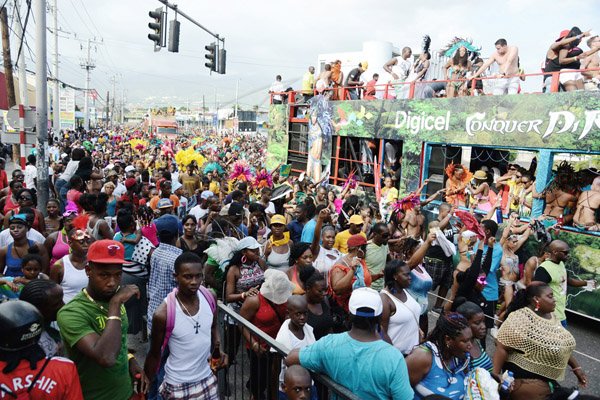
413, 223
592, 78
556, 202
587, 205
507, 58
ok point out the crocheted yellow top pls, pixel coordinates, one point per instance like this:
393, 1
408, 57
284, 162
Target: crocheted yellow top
538, 345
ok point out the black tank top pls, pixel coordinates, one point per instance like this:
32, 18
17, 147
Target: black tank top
321, 324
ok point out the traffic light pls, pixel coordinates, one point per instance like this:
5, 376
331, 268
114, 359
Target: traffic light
222, 61
174, 36
211, 56
158, 28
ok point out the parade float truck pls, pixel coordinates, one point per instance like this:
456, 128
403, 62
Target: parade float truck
416, 139
164, 128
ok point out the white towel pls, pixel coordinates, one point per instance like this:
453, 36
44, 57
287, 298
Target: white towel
446, 245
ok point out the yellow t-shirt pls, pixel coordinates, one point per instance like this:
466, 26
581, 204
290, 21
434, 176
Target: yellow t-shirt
341, 240
214, 187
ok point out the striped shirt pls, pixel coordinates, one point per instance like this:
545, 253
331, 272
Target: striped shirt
483, 361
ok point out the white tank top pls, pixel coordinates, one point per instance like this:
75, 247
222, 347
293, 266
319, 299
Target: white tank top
73, 279
403, 328
279, 261
188, 350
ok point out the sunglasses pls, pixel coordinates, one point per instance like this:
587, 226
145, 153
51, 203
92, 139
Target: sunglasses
25, 198
481, 280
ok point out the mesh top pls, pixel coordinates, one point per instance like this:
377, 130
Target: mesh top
541, 346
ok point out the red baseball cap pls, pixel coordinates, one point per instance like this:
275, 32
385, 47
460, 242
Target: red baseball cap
106, 252
355, 241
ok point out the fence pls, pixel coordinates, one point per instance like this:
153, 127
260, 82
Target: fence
249, 373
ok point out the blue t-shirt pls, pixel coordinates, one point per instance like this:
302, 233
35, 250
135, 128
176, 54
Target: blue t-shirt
308, 232
490, 291
295, 229
371, 370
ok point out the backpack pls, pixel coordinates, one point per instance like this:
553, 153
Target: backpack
24, 394
171, 311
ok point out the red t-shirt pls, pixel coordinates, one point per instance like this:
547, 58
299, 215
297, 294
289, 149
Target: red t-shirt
58, 381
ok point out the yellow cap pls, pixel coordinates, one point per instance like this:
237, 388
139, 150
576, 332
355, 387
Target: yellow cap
356, 219
278, 219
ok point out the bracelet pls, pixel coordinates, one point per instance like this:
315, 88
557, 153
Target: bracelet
130, 357
114, 317
575, 369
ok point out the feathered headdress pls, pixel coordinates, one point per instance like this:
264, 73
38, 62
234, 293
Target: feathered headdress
407, 203
452, 167
426, 43
457, 43
263, 179
241, 171
183, 158
138, 144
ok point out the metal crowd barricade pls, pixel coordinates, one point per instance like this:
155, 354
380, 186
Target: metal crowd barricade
235, 383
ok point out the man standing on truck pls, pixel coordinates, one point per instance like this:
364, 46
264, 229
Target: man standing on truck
507, 58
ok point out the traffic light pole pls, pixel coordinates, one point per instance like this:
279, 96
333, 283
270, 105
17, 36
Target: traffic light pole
193, 21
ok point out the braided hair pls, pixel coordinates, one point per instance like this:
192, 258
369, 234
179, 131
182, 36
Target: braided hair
451, 325
36, 291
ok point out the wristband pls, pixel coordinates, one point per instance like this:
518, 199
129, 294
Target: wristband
114, 317
130, 357
575, 369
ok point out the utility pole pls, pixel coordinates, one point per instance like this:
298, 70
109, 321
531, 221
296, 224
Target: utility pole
55, 97
112, 114
122, 105
41, 102
107, 108
203, 115
22, 69
235, 112
8, 69
8, 73
88, 64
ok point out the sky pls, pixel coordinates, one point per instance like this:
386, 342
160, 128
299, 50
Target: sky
264, 38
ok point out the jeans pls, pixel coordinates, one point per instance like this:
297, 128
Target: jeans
62, 187
353, 94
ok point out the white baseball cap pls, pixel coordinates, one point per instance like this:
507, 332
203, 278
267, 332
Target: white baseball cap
129, 168
365, 298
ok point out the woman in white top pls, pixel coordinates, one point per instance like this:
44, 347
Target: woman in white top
69, 271
324, 255
400, 316
62, 183
278, 246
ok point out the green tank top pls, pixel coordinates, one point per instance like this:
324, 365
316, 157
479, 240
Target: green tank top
558, 284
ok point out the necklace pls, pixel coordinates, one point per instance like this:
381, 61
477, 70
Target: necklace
196, 324
100, 306
17, 251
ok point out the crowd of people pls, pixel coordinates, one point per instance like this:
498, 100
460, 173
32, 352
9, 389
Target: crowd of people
145, 235
462, 72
